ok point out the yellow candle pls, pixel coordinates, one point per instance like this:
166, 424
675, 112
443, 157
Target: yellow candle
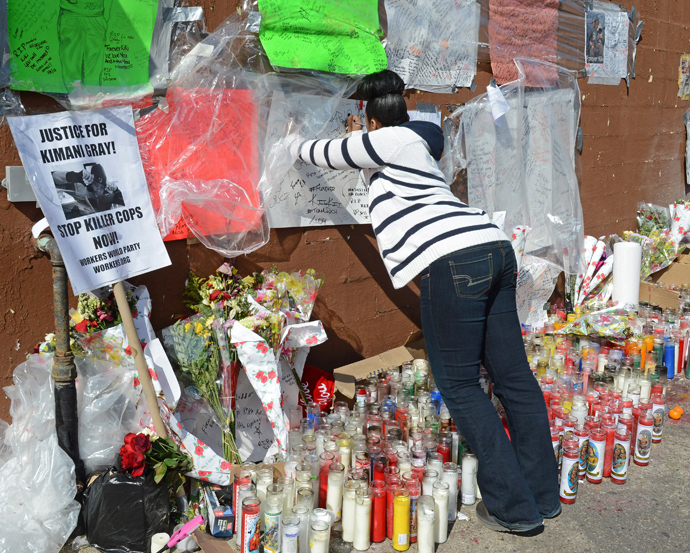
401, 520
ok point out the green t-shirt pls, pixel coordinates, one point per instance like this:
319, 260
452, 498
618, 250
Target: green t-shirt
86, 8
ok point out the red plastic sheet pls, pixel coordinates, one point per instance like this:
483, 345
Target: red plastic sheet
527, 29
205, 135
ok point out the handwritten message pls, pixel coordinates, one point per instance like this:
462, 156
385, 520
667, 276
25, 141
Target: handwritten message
309, 195
606, 50
432, 45
325, 35
100, 44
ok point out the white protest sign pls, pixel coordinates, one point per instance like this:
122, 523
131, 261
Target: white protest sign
86, 172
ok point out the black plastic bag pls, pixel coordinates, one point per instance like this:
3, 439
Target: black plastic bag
122, 512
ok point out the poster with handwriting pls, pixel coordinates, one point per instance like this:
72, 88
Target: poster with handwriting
606, 48
86, 173
100, 43
432, 45
324, 35
309, 195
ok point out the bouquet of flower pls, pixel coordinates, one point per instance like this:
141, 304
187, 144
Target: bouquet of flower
168, 462
651, 218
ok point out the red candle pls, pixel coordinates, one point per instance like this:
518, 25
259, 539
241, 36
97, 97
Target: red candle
597, 442
394, 483
418, 468
609, 426
380, 464
378, 512
633, 436
444, 450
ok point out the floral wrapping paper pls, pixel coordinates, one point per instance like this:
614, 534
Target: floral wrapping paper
587, 252
680, 221
594, 271
518, 240
262, 367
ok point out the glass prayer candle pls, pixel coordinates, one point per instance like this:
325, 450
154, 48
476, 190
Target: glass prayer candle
443, 448
304, 524
348, 514
582, 435
319, 537
378, 512
305, 498
469, 479
621, 457
450, 477
363, 463
288, 485
435, 461
429, 478
393, 484
401, 520
609, 426
363, 519
658, 414
595, 460
380, 463
570, 471
404, 461
290, 535
643, 441
273, 511
415, 489
250, 528
248, 489
241, 477
334, 492
325, 460
425, 525
440, 495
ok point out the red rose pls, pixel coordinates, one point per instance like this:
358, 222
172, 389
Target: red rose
214, 295
124, 450
129, 461
272, 375
129, 437
82, 326
128, 350
138, 471
199, 450
141, 443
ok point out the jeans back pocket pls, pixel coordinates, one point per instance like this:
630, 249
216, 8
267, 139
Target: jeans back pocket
473, 278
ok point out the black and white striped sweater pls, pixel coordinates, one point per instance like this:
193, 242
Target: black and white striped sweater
415, 216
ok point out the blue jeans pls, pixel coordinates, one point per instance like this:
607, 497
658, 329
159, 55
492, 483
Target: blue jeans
469, 317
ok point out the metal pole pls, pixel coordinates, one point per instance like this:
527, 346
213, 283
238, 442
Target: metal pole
64, 369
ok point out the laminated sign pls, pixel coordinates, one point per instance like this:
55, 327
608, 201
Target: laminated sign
87, 175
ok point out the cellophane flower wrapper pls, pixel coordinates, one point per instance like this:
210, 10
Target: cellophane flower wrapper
518, 240
594, 251
659, 250
680, 221
296, 293
652, 218
112, 344
598, 282
613, 323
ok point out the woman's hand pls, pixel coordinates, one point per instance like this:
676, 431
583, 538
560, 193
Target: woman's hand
354, 123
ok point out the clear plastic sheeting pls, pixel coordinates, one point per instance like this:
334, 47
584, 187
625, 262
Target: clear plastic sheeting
212, 162
37, 479
516, 149
107, 403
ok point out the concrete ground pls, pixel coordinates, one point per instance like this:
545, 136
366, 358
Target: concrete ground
649, 514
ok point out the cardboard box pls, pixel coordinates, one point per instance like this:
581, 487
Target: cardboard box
346, 376
221, 518
676, 274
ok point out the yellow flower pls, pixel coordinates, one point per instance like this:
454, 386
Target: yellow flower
234, 271
209, 322
198, 329
187, 327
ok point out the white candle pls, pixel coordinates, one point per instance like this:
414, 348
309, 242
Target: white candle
362, 540
450, 477
334, 492
404, 465
645, 388
345, 455
428, 479
469, 479
318, 544
440, 512
426, 537
159, 541
435, 464
348, 514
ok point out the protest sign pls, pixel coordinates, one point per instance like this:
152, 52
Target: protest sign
87, 175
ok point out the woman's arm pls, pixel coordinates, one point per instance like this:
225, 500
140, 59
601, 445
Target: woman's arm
359, 151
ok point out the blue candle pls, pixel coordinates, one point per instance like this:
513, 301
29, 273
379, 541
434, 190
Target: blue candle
669, 361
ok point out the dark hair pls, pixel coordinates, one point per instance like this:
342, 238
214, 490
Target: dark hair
383, 93
98, 174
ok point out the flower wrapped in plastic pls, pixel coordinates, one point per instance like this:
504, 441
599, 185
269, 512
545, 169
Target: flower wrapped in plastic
652, 218
680, 220
659, 250
613, 323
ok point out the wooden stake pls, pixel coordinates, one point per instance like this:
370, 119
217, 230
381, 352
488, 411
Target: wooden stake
138, 354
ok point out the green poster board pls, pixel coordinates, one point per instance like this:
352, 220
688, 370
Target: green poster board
54, 43
325, 35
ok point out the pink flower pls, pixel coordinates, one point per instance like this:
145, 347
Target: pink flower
263, 348
312, 340
199, 450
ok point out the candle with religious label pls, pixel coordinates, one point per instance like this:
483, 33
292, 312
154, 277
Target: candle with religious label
658, 414
250, 528
415, 489
273, 511
621, 457
244, 490
290, 534
643, 440
570, 471
401, 520
440, 495
582, 435
595, 461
